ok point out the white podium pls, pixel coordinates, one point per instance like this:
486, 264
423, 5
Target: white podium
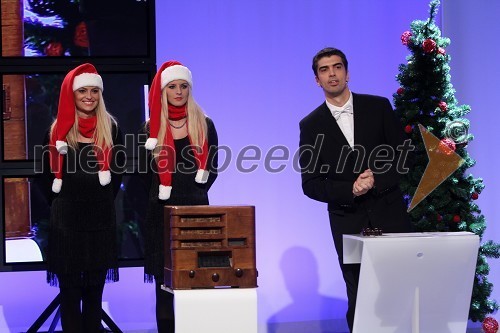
413, 282
225, 310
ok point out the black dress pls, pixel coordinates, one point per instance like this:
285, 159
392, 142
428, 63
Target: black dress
82, 246
185, 191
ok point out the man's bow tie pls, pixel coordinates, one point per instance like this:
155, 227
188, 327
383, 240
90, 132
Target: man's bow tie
337, 113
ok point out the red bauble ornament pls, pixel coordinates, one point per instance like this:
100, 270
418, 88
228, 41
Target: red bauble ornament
456, 218
53, 49
474, 196
405, 37
429, 45
443, 106
400, 91
439, 218
490, 325
408, 129
80, 37
447, 146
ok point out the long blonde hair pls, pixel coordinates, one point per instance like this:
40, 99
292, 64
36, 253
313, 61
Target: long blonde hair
196, 120
102, 135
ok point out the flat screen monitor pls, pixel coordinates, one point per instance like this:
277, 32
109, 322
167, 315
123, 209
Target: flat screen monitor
119, 29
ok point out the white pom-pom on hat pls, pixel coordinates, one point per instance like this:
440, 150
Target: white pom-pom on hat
164, 192
56, 185
104, 177
201, 176
62, 147
151, 143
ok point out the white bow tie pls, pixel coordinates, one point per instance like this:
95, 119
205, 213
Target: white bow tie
338, 113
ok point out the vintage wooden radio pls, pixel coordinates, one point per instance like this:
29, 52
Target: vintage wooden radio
209, 247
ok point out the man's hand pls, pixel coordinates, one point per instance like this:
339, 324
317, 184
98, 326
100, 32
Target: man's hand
364, 183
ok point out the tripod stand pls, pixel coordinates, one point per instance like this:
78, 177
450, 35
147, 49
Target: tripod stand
54, 306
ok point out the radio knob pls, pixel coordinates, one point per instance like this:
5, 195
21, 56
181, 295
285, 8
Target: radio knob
215, 277
239, 272
191, 274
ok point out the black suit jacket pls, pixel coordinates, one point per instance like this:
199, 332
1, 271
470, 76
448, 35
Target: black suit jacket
329, 166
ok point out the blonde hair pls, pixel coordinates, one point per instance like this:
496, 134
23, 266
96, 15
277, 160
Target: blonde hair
102, 135
196, 120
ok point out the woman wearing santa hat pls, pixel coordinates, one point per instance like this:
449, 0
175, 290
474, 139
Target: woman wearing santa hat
183, 143
82, 251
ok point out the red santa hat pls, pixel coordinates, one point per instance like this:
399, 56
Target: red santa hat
84, 75
170, 71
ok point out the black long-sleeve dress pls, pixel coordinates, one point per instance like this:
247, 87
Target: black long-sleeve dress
82, 246
185, 191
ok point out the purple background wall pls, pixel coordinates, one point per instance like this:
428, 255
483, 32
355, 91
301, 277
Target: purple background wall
251, 62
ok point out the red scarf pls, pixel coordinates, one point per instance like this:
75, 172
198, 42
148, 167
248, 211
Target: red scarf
86, 127
166, 155
177, 112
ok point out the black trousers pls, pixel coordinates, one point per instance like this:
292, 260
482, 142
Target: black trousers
81, 309
165, 320
350, 272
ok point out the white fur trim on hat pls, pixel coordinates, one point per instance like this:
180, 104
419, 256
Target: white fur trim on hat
164, 192
176, 72
104, 177
201, 176
56, 185
62, 147
87, 80
151, 143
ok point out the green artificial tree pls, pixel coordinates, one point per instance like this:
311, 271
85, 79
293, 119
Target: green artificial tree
426, 97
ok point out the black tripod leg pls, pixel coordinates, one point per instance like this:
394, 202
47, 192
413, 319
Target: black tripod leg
111, 324
44, 316
53, 325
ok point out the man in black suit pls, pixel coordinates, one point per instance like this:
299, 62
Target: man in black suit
352, 150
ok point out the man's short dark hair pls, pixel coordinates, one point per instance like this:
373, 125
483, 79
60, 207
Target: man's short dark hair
328, 52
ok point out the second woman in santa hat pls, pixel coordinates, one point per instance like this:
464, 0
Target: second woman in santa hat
183, 141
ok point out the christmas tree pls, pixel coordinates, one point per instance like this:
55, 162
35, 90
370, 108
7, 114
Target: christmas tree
425, 101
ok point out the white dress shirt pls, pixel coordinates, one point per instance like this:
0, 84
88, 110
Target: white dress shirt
345, 118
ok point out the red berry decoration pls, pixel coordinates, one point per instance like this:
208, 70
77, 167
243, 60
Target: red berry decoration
443, 106
400, 91
447, 146
474, 196
408, 129
429, 45
405, 37
490, 325
441, 51
456, 218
